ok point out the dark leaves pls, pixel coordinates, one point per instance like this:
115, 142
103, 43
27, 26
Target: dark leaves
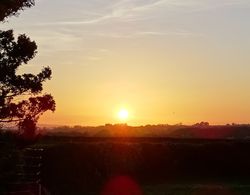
14, 53
24, 49
26, 111
13, 87
11, 7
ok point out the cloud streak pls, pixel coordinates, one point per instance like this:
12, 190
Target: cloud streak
138, 34
122, 10
133, 10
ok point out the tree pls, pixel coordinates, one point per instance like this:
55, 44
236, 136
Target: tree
11, 7
14, 53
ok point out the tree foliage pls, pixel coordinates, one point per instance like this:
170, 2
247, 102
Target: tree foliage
11, 7
19, 94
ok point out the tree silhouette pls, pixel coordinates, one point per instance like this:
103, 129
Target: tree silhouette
11, 7
14, 53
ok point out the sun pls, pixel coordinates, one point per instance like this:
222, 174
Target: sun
123, 114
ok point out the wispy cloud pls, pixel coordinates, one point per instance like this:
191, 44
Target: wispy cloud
138, 34
133, 10
122, 10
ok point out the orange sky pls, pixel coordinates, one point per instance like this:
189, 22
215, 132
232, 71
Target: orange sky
164, 61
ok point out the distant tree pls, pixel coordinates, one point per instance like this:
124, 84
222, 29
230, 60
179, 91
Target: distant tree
19, 102
202, 124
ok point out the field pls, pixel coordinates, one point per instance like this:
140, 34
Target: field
84, 165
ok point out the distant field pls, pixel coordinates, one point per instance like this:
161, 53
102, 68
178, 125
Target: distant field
158, 165
197, 189
151, 161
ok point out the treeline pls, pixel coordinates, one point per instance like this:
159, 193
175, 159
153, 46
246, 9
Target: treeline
199, 130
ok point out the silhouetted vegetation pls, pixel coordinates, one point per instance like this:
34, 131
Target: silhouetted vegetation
83, 164
11, 7
198, 130
13, 87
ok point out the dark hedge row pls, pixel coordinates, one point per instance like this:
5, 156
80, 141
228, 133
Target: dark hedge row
83, 167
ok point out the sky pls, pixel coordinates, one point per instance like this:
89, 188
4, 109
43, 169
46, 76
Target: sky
164, 61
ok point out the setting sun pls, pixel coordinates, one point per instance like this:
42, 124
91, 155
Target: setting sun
123, 114
124, 97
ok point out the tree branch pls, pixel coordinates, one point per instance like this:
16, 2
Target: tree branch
10, 120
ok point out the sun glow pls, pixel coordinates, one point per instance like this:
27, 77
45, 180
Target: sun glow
123, 114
